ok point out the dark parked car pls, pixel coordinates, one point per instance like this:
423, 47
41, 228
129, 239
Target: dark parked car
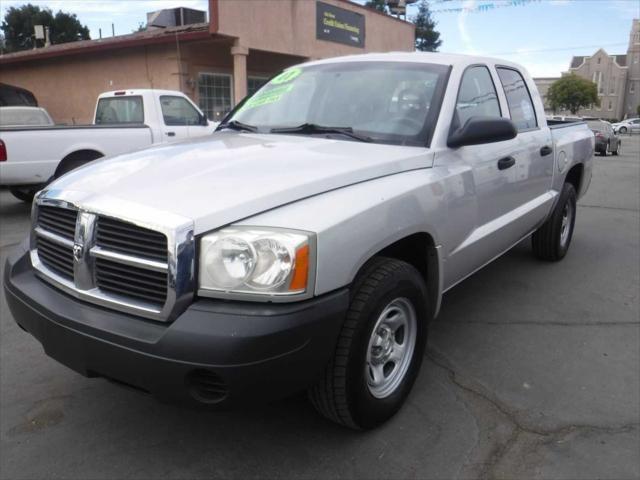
11, 96
606, 139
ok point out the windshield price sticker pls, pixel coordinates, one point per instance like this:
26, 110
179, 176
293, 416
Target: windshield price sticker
271, 96
286, 76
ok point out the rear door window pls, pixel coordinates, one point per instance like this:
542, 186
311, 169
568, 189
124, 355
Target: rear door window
120, 110
523, 115
477, 96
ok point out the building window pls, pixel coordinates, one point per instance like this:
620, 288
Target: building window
612, 90
254, 84
632, 87
599, 59
610, 105
215, 95
597, 79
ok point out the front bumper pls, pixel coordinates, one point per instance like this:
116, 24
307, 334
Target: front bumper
216, 352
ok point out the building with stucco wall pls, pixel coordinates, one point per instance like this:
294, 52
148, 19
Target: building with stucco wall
617, 78
216, 63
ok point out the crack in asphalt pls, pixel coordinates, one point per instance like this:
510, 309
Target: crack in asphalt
624, 209
520, 426
552, 323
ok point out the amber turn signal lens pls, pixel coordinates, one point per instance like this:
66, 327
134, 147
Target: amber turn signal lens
301, 272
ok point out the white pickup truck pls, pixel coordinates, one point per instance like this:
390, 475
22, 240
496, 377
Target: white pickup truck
308, 242
124, 121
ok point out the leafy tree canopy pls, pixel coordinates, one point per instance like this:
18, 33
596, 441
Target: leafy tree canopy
427, 37
19, 21
379, 5
572, 93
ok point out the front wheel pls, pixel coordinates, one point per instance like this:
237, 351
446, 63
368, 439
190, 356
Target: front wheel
379, 350
623, 130
551, 241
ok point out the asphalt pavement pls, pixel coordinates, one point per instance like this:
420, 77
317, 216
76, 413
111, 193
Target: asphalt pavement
532, 371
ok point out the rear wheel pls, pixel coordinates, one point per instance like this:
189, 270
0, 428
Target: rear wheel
617, 150
380, 347
75, 160
551, 241
24, 193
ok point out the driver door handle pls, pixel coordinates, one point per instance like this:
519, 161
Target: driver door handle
506, 162
170, 134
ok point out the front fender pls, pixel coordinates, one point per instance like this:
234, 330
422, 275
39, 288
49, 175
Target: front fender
356, 222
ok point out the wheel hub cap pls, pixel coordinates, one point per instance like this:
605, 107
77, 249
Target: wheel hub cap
391, 347
565, 228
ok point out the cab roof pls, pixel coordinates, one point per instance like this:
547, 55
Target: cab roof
449, 59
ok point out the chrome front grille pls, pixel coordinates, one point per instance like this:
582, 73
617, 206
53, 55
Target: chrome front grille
56, 257
61, 221
113, 262
130, 239
138, 283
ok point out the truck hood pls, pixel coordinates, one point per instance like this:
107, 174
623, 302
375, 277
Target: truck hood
230, 176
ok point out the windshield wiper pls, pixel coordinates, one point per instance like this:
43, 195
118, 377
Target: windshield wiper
310, 128
239, 126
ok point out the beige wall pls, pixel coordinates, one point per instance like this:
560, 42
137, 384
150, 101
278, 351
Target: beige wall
289, 26
267, 35
614, 80
69, 86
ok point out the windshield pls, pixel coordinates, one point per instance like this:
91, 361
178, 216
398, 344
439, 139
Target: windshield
390, 102
24, 116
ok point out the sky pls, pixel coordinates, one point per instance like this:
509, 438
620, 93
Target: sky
543, 35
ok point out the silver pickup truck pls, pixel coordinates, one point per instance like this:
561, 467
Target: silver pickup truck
308, 242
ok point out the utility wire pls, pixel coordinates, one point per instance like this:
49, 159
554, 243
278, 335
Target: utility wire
525, 51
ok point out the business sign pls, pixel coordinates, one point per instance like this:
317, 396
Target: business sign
339, 25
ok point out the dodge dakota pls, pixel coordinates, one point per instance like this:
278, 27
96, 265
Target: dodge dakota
124, 121
308, 242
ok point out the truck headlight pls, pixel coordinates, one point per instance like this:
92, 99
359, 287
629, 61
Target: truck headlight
248, 261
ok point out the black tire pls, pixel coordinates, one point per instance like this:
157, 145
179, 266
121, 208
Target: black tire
24, 193
603, 152
617, 152
75, 160
343, 393
623, 130
548, 241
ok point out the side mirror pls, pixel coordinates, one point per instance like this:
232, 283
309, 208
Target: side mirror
479, 130
204, 121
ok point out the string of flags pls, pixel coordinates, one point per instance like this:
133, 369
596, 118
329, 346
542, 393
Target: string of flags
486, 7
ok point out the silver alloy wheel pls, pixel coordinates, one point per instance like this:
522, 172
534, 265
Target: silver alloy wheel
565, 229
391, 347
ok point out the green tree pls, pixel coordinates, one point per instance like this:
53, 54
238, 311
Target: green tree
19, 21
379, 5
572, 93
427, 37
